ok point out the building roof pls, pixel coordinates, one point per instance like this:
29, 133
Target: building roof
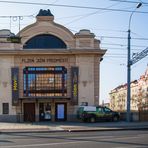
44, 13
4, 33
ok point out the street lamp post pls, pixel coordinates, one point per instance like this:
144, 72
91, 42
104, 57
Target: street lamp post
129, 63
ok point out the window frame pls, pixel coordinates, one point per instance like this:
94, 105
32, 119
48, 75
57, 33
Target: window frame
42, 86
45, 41
5, 108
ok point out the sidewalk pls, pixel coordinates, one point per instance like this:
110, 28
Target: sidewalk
70, 126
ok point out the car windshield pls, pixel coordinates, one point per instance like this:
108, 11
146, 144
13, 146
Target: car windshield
100, 109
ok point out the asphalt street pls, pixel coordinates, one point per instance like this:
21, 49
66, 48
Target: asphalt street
106, 139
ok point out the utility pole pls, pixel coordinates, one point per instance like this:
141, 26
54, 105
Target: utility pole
129, 63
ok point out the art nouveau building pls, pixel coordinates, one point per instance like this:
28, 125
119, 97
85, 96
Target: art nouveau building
46, 71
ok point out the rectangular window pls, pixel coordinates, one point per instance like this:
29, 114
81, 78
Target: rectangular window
5, 108
45, 81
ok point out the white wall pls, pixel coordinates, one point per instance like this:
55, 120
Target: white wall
6, 62
86, 78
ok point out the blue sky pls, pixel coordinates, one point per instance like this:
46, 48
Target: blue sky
106, 25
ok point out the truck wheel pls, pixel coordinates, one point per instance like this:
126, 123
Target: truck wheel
92, 119
84, 120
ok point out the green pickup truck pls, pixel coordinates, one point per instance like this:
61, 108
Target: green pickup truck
98, 113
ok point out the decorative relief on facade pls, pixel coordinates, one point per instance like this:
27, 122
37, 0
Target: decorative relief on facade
84, 83
5, 84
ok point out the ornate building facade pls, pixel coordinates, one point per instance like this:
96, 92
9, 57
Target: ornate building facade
46, 71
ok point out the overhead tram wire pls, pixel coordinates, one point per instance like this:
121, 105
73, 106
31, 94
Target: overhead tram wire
72, 6
35, 13
121, 49
93, 13
15, 16
126, 1
122, 45
116, 54
118, 37
75, 7
65, 6
112, 56
100, 29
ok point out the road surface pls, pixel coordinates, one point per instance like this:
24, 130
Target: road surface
105, 139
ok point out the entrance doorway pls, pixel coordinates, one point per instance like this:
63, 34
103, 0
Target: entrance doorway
45, 111
29, 112
60, 112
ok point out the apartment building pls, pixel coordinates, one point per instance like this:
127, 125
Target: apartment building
139, 94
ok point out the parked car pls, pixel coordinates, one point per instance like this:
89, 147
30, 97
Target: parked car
98, 113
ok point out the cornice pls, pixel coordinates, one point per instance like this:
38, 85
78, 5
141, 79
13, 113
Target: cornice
53, 52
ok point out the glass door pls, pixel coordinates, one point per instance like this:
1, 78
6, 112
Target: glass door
60, 111
45, 111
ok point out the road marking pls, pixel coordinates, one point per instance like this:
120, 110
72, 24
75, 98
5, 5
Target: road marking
73, 142
92, 137
142, 135
67, 137
45, 144
127, 137
140, 146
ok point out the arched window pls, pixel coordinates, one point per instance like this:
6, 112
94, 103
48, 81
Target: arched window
44, 41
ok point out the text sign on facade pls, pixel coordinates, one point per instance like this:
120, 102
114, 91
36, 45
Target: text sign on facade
15, 85
74, 85
44, 60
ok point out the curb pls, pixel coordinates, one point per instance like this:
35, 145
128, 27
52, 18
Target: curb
110, 129
73, 130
